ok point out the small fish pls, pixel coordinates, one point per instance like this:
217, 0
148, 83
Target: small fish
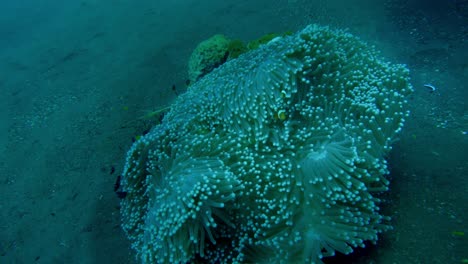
146, 131
430, 87
120, 194
174, 89
117, 183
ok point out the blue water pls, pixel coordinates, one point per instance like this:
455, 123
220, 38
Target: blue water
76, 78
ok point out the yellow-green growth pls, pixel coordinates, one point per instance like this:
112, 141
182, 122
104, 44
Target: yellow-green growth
254, 44
236, 48
458, 233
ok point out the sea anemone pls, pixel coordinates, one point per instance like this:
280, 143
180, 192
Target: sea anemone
276, 156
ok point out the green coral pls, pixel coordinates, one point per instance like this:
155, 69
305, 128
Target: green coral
277, 156
208, 55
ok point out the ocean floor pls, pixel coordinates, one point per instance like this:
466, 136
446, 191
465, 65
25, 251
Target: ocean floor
78, 77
